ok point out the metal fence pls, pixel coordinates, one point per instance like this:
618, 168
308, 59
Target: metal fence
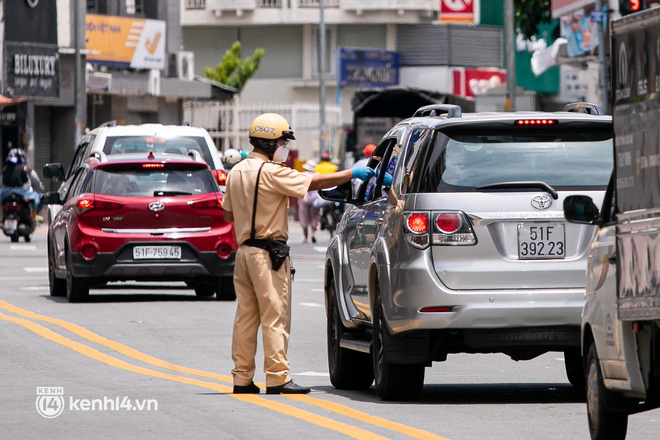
228, 123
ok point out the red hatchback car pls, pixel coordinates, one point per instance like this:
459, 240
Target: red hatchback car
141, 217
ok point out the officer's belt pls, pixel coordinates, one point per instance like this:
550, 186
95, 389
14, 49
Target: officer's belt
259, 243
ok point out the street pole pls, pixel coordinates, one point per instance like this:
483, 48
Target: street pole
322, 76
600, 31
79, 93
510, 56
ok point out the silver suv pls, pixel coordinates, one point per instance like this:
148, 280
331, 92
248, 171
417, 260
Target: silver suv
459, 244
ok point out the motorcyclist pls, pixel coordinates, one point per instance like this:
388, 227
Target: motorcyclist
17, 177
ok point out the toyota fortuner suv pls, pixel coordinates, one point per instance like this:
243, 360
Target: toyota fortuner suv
460, 245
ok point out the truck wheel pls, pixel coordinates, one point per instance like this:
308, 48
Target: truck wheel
393, 381
224, 288
574, 367
349, 369
603, 423
77, 289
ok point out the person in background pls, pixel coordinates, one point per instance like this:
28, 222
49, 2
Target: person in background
325, 165
308, 214
257, 201
17, 177
367, 151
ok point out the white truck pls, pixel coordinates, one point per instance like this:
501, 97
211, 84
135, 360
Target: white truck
621, 316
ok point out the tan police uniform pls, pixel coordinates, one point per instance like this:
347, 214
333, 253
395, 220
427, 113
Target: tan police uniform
262, 294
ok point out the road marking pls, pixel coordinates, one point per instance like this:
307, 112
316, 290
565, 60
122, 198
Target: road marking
312, 374
35, 269
311, 304
346, 411
36, 288
22, 247
83, 349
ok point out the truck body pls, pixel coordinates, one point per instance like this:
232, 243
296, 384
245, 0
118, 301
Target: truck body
621, 316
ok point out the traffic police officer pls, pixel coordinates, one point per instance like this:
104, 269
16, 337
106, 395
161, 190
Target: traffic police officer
262, 293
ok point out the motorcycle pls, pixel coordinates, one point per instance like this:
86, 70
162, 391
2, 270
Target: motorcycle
330, 215
17, 217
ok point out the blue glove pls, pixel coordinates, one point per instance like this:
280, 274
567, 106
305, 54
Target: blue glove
387, 180
363, 173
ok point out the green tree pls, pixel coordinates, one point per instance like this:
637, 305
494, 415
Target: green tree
234, 71
529, 14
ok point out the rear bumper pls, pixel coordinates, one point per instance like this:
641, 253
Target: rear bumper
409, 291
117, 266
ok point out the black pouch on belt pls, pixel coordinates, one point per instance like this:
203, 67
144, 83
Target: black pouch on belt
278, 252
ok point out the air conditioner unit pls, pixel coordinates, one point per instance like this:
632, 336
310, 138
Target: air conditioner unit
153, 87
185, 65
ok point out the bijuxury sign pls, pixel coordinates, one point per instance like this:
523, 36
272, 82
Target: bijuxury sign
125, 42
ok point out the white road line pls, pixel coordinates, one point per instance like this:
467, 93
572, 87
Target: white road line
35, 269
312, 373
22, 247
311, 304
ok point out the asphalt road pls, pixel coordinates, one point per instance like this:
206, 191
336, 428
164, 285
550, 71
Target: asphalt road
152, 361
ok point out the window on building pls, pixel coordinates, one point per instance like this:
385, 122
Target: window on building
133, 7
330, 50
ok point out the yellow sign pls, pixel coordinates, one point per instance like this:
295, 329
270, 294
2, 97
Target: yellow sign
127, 42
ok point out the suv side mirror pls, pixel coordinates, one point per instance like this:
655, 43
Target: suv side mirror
54, 171
51, 198
340, 194
581, 209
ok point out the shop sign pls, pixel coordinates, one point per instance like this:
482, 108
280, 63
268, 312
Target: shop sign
31, 70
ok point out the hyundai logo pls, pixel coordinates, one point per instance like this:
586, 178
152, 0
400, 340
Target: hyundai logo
542, 201
157, 206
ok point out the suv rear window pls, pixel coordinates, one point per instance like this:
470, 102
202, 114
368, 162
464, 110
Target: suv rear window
467, 157
145, 144
140, 183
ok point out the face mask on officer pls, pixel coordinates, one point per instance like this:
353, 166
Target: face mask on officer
281, 154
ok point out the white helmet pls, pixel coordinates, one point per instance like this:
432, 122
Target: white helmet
232, 156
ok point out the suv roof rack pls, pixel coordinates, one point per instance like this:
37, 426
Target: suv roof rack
112, 123
584, 107
451, 110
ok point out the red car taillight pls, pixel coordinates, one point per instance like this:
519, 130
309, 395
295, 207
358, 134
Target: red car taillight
88, 203
206, 204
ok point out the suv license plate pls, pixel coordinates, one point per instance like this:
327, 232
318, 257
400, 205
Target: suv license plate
157, 252
540, 241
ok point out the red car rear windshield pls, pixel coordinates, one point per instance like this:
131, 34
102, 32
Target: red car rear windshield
153, 182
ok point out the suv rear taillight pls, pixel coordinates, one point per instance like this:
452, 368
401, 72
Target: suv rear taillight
88, 203
449, 228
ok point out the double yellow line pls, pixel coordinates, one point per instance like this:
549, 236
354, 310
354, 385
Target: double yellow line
348, 430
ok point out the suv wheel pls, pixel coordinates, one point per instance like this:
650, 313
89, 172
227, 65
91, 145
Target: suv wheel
224, 288
77, 289
603, 423
349, 369
393, 381
574, 367
57, 285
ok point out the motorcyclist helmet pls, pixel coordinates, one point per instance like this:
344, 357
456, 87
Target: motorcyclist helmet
16, 156
266, 129
232, 156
